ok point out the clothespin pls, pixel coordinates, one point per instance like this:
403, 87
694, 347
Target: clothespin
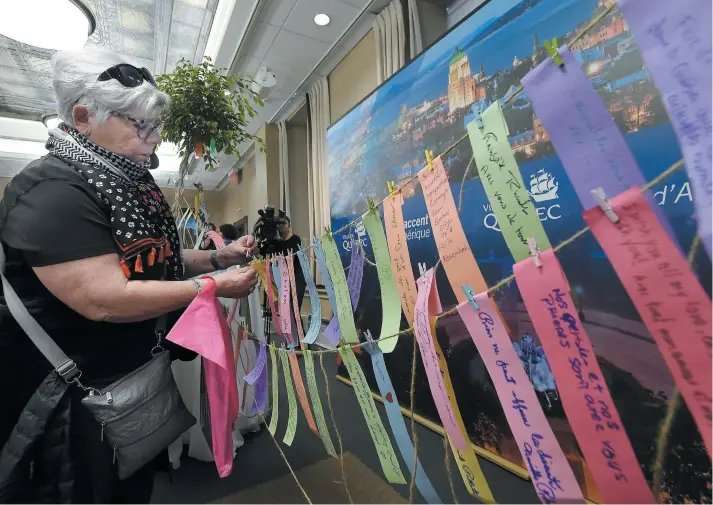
391, 186
534, 251
370, 203
552, 50
328, 232
470, 294
605, 204
429, 159
367, 335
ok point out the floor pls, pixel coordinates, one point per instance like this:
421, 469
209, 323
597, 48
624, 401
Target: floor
260, 474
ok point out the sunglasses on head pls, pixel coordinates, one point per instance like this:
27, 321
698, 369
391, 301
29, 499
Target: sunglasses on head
128, 75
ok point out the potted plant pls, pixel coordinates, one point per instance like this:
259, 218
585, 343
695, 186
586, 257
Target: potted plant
208, 113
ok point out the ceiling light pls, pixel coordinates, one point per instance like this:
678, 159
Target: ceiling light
49, 24
322, 19
51, 121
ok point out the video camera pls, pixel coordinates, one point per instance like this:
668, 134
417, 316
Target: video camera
265, 230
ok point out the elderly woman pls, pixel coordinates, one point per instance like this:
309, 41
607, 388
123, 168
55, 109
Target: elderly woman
93, 253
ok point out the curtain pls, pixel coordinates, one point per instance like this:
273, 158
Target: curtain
318, 179
390, 40
284, 167
414, 23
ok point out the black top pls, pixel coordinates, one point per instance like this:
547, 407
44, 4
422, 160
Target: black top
50, 215
291, 246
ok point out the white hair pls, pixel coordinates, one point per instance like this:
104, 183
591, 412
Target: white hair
74, 78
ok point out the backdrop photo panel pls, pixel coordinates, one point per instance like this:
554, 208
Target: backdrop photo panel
428, 105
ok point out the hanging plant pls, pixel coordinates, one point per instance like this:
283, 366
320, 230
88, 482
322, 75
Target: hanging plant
208, 113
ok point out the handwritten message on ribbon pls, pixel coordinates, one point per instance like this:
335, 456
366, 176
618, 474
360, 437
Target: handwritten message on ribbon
467, 462
317, 403
453, 249
585, 396
672, 304
354, 278
301, 393
272, 427
436, 377
252, 377
295, 302
397, 424
316, 306
324, 272
588, 142
390, 313
341, 290
503, 184
291, 401
398, 251
382, 442
285, 310
675, 41
271, 295
551, 474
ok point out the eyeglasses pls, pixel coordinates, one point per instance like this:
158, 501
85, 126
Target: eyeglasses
144, 127
128, 75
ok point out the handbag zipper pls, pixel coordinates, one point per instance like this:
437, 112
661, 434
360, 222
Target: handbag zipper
116, 447
149, 433
124, 414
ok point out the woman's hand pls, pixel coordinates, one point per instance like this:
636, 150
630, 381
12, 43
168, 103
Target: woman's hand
238, 252
235, 283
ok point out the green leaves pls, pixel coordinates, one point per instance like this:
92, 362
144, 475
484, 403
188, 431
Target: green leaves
208, 105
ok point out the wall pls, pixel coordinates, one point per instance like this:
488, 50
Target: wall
297, 159
240, 199
434, 21
353, 78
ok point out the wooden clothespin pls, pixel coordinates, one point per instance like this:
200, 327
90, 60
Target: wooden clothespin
552, 50
470, 294
429, 159
534, 251
605, 204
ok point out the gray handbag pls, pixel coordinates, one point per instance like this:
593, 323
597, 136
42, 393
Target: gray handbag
140, 415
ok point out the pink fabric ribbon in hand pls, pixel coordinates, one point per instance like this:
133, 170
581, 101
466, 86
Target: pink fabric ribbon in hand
202, 328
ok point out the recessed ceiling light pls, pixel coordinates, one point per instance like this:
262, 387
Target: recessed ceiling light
322, 19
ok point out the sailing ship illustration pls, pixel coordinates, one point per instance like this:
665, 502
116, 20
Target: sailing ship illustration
543, 186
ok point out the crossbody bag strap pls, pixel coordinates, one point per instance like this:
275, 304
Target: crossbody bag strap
62, 364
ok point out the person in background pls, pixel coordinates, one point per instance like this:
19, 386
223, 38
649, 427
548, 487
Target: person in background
290, 244
94, 254
207, 244
229, 233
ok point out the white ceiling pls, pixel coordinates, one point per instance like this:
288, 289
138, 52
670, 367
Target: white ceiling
245, 34
284, 37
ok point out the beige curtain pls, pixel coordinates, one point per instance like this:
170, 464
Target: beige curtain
318, 177
284, 168
390, 40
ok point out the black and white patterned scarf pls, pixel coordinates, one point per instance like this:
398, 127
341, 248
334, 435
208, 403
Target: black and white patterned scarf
144, 229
